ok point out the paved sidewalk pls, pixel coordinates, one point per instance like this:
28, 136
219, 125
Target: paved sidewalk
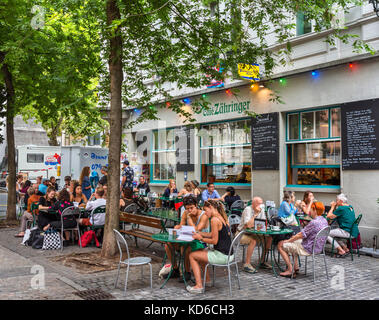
360, 278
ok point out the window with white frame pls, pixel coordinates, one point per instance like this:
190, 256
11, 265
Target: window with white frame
314, 147
226, 152
163, 155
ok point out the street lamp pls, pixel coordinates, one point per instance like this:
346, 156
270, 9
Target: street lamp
375, 4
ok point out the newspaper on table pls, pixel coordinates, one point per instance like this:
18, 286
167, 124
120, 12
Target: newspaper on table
185, 233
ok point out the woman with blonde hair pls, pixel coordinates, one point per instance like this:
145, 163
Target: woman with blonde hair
187, 190
85, 182
220, 237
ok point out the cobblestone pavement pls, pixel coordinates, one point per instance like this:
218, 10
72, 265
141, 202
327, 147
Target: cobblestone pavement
352, 280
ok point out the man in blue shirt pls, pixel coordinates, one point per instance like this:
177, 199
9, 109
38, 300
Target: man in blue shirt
210, 193
43, 186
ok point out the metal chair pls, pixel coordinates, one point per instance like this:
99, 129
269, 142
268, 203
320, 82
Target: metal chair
323, 233
233, 248
237, 207
350, 238
130, 262
34, 212
70, 211
96, 211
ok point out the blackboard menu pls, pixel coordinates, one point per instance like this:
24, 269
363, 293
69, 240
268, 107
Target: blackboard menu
184, 145
265, 141
360, 135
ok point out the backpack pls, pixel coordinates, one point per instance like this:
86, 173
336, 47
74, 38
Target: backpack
355, 243
87, 237
38, 240
33, 235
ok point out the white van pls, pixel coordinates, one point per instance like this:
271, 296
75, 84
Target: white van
34, 161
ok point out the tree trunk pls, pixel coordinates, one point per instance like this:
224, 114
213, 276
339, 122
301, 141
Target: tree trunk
11, 201
54, 132
115, 118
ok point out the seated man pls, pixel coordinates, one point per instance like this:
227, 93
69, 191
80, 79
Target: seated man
192, 216
302, 243
43, 187
96, 200
143, 187
27, 216
255, 211
345, 216
210, 193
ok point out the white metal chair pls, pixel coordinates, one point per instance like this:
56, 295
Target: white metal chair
70, 211
232, 252
323, 233
237, 207
130, 262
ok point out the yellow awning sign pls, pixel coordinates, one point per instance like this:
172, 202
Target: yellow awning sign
249, 71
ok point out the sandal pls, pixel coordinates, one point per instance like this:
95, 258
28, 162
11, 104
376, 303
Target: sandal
341, 255
19, 235
288, 275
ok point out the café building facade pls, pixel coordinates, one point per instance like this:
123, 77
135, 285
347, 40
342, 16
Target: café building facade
323, 137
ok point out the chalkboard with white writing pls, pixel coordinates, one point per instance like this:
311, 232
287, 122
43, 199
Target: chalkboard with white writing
265, 141
184, 145
360, 135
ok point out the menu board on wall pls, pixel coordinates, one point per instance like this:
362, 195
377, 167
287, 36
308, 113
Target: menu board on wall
360, 135
265, 141
184, 145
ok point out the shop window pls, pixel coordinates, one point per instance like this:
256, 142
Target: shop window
303, 25
163, 155
314, 162
226, 152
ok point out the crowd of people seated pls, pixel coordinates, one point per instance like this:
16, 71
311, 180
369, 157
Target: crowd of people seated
206, 212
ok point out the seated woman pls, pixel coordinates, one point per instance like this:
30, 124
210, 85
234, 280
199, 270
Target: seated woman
230, 196
196, 190
192, 216
126, 198
68, 221
187, 190
302, 243
170, 190
72, 185
307, 202
27, 216
345, 216
78, 196
220, 237
287, 213
45, 202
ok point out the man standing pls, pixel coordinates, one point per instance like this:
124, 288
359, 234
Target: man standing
104, 179
127, 175
210, 193
255, 211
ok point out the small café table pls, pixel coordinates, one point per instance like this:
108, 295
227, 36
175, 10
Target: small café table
170, 238
270, 233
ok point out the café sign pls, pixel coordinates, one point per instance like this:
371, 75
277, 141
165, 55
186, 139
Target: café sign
225, 108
